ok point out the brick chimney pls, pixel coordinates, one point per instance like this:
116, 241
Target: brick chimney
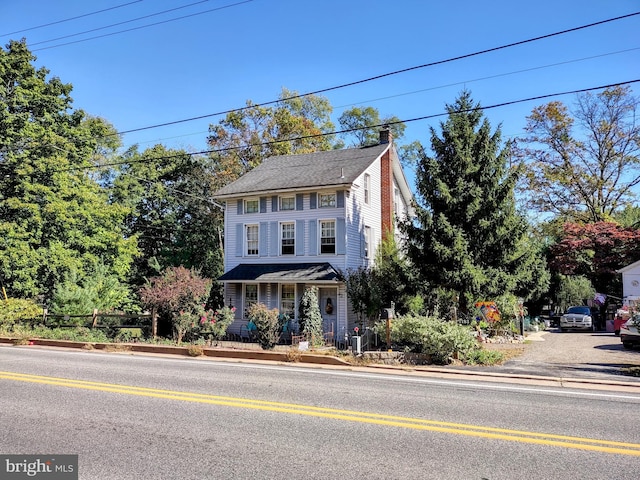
386, 184
385, 135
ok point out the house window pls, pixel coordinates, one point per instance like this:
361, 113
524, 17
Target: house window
252, 239
327, 236
367, 242
288, 240
251, 206
287, 203
288, 300
250, 296
367, 188
327, 200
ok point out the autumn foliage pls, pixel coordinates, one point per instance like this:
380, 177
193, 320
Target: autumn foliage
178, 294
595, 250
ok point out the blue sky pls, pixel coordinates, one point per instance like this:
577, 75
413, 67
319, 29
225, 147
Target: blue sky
216, 60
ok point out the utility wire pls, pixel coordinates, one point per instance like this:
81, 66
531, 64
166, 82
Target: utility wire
144, 26
175, 190
489, 77
348, 130
69, 19
119, 23
383, 75
437, 87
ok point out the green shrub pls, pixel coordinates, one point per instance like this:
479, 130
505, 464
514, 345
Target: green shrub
126, 335
267, 324
16, 310
213, 325
481, 356
442, 341
76, 334
99, 288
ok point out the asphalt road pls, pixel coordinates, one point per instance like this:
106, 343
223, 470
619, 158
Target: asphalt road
573, 354
151, 417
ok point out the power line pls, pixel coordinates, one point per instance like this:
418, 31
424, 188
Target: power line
489, 77
119, 23
175, 190
348, 130
462, 82
388, 74
69, 19
145, 26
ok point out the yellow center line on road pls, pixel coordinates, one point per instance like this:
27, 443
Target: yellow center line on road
605, 446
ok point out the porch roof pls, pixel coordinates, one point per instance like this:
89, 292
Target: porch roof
282, 272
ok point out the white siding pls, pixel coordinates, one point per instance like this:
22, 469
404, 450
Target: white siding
357, 215
360, 214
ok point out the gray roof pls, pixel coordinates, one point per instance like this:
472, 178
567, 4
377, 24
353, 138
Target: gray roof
308, 170
281, 272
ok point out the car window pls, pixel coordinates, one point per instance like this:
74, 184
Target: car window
580, 310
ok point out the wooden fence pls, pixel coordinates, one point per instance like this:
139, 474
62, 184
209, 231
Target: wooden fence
97, 320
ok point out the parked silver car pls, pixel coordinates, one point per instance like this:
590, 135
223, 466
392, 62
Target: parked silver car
630, 333
577, 318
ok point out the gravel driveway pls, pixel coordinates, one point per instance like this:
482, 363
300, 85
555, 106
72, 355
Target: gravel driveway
572, 354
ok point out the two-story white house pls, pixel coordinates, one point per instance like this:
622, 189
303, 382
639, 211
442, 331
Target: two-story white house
301, 220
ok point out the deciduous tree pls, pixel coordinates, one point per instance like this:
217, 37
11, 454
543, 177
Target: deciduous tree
246, 137
596, 251
365, 123
583, 164
166, 192
179, 295
55, 217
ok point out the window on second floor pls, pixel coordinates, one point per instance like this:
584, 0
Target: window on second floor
251, 206
367, 188
288, 238
252, 239
288, 203
327, 200
328, 236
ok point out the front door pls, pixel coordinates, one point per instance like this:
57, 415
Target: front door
328, 299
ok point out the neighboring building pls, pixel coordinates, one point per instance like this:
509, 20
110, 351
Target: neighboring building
301, 220
630, 282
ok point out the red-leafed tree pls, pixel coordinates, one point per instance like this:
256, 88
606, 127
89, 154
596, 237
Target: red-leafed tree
179, 295
596, 250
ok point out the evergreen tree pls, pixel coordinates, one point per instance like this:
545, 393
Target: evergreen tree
468, 236
309, 318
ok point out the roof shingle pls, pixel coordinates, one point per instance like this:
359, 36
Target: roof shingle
309, 170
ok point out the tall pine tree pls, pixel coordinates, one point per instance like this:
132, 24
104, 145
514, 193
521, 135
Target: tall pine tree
468, 236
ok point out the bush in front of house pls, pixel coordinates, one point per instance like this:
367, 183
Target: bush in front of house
213, 325
442, 341
268, 325
310, 318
